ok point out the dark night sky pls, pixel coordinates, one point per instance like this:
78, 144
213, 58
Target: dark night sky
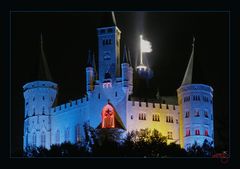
68, 36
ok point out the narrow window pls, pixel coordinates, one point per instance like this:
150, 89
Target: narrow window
197, 132
206, 133
58, 137
131, 116
188, 132
115, 94
187, 114
77, 133
43, 139
34, 139
98, 95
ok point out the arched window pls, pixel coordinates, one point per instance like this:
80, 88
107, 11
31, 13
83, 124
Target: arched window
197, 132
67, 134
78, 133
108, 117
34, 139
58, 137
43, 139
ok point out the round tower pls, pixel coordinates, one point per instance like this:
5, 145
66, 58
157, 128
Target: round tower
196, 114
39, 97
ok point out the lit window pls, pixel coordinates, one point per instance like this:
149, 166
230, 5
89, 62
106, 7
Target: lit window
206, 132
108, 117
197, 132
188, 132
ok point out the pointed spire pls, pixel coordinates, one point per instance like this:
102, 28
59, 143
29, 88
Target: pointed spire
188, 74
43, 72
114, 19
125, 57
89, 61
108, 19
129, 58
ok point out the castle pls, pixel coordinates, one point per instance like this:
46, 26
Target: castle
108, 103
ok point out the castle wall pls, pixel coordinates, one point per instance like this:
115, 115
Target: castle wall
135, 121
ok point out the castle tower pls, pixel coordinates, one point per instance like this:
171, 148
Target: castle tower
90, 73
39, 97
109, 49
196, 110
127, 73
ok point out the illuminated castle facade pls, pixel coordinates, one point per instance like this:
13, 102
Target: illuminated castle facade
108, 103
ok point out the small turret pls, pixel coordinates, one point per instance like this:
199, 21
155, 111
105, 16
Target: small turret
90, 72
127, 72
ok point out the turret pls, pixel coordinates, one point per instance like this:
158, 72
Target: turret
90, 73
39, 97
196, 110
127, 72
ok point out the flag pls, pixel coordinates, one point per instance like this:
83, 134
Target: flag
146, 46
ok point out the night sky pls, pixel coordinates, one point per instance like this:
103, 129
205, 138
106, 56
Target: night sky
69, 35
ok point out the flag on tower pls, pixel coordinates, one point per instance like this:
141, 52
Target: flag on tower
146, 46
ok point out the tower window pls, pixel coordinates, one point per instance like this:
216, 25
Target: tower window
115, 94
197, 132
188, 132
206, 132
33, 98
197, 114
43, 98
206, 114
187, 114
43, 111
98, 95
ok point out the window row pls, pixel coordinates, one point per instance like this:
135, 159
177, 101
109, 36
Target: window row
34, 139
67, 135
197, 132
196, 98
196, 114
107, 42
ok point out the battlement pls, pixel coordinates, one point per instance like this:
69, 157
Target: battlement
195, 87
70, 105
156, 105
40, 84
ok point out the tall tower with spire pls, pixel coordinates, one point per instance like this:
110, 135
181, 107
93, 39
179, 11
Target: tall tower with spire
109, 49
39, 97
195, 108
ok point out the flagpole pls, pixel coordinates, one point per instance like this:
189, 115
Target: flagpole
141, 63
